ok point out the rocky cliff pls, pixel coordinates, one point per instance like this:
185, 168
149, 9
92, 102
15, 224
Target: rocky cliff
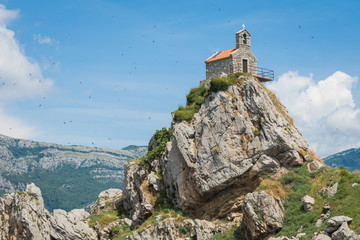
23, 216
237, 169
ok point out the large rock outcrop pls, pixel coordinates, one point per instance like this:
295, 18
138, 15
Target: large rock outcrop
211, 162
23, 216
235, 135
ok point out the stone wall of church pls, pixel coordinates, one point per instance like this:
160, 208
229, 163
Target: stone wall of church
216, 68
244, 53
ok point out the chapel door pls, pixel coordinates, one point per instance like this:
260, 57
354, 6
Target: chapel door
245, 65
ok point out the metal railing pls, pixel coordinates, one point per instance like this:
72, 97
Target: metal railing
258, 71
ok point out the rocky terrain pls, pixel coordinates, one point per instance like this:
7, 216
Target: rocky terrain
69, 176
239, 169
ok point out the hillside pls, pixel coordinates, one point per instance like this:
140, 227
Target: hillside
233, 165
69, 176
349, 159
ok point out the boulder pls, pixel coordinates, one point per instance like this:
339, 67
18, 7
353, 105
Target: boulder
322, 236
263, 215
71, 225
335, 222
343, 233
308, 203
314, 165
332, 190
106, 198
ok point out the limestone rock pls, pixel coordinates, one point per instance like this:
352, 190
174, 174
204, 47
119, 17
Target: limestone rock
262, 215
72, 224
236, 135
106, 197
137, 200
323, 217
170, 229
314, 165
308, 203
335, 222
322, 237
23, 216
343, 233
330, 191
333, 190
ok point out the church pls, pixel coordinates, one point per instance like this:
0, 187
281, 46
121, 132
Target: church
238, 59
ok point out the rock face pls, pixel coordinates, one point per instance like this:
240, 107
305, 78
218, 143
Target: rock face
234, 136
136, 199
170, 229
23, 216
262, 215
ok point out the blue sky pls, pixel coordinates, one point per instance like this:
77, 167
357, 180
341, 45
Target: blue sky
108, 73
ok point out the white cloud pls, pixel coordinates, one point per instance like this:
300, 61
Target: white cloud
44, 40
324, 111
7, 15
20, 77
14, 127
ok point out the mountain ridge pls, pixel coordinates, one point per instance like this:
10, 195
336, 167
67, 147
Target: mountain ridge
349, 158
60, 170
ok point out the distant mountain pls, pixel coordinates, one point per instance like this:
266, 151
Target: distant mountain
69, 176
349, 159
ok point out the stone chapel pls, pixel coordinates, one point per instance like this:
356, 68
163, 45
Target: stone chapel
238, 59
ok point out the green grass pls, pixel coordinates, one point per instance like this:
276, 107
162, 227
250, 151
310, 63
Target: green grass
231, 234
300, 182
103, 218
197, 96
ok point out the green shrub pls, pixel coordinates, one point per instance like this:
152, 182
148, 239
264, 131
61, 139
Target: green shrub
197, 95
115, 230
219, 84
183, 230
256, 132
185, 113
161, 137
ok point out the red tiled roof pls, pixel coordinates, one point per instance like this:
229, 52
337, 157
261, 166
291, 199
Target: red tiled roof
221, 55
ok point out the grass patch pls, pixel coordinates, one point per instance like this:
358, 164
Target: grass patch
231, 234
197, 96
300, 182
122, 232
273, 188
103, 218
